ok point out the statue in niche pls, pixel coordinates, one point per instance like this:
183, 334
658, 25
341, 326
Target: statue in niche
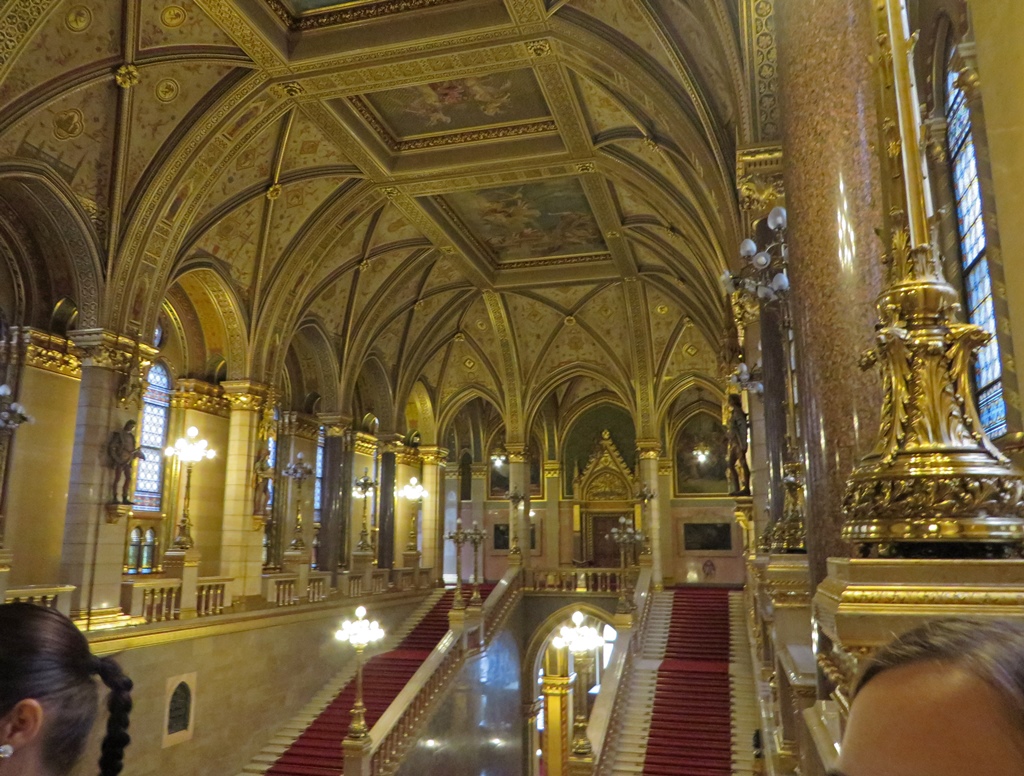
123, 452
262, 478
736, 429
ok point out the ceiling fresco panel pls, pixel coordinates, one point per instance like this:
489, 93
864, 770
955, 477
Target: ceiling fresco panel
460, 105
531, 220
179, 23
309, 147
73, 36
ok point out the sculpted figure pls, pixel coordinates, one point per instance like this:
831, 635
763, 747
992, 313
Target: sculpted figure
123, 452
738, 471
262, 476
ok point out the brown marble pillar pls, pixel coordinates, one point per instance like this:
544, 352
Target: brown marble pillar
831, 173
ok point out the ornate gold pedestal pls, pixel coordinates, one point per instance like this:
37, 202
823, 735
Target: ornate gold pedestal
864, 603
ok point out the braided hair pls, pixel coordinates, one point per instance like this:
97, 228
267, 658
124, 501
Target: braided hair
43, 656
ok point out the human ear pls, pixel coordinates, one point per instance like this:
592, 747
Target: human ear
22, 724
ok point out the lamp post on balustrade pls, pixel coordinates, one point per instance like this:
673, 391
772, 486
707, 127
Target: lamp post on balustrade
413, 492
459, 538
645, 496
359, 635
517, 500
363, 488
12, 415
476, 538
298, 471
583, 641
626, 539
190, 450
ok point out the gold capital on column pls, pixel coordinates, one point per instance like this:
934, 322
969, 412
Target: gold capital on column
245, 394
201, 396
433, 455
648, 449
42, 350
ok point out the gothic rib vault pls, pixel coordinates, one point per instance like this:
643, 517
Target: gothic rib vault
385, 201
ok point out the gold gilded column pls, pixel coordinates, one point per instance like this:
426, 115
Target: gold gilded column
555, 687
831, 179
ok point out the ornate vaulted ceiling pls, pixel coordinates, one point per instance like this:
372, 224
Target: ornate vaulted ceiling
489, 197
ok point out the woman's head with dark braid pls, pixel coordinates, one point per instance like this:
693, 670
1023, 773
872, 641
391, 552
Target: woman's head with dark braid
48, 695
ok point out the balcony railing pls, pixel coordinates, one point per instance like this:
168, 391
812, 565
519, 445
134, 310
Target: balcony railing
52, 596
397, 728
572, 580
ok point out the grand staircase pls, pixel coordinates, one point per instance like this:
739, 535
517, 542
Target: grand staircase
691, 710
316, 751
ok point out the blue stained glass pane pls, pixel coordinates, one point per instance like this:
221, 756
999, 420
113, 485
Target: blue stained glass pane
992, 409
154, 425
318, 487
158, 377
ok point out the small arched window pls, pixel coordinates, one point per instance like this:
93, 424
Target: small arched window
149, 474
133, 555
179, 712
977, 282
148, 551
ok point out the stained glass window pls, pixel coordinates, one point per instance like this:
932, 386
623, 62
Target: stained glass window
988, 370
319, 483
131, 563
149, 472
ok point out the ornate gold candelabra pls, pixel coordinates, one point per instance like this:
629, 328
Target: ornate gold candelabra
413, 492
475, 536
645, 496
459, 538
298, 471
934, 485
626, 539
363, 488
516, 500
190, 450
359, 634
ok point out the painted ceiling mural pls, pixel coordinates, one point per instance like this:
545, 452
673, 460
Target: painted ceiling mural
496, 100
544, 204
530, 221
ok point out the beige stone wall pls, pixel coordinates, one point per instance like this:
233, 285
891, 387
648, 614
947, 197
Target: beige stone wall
248, 683
206, 507
684, 565
39, 475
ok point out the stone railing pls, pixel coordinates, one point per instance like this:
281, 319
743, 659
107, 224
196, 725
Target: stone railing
397, 728
213, 595
608, 714
403, 579
153, 599
280, 588
379, 581
319, 587
594, 580
51, 596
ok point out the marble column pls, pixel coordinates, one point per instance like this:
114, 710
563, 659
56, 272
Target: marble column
831, 171
773, 403
92, 557
432, 509
648, 452
386, 509
241, 532
335, 496
519, 482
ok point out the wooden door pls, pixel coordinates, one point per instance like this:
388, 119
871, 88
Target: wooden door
604, 553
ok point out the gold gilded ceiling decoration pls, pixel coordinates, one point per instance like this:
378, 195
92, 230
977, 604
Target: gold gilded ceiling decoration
487, 170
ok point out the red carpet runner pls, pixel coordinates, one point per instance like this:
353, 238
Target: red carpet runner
317, 752
691, 722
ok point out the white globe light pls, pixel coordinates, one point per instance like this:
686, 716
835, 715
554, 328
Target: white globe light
761, 260
777, 218
748, 248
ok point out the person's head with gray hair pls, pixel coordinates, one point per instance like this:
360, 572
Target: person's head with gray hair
943, 699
